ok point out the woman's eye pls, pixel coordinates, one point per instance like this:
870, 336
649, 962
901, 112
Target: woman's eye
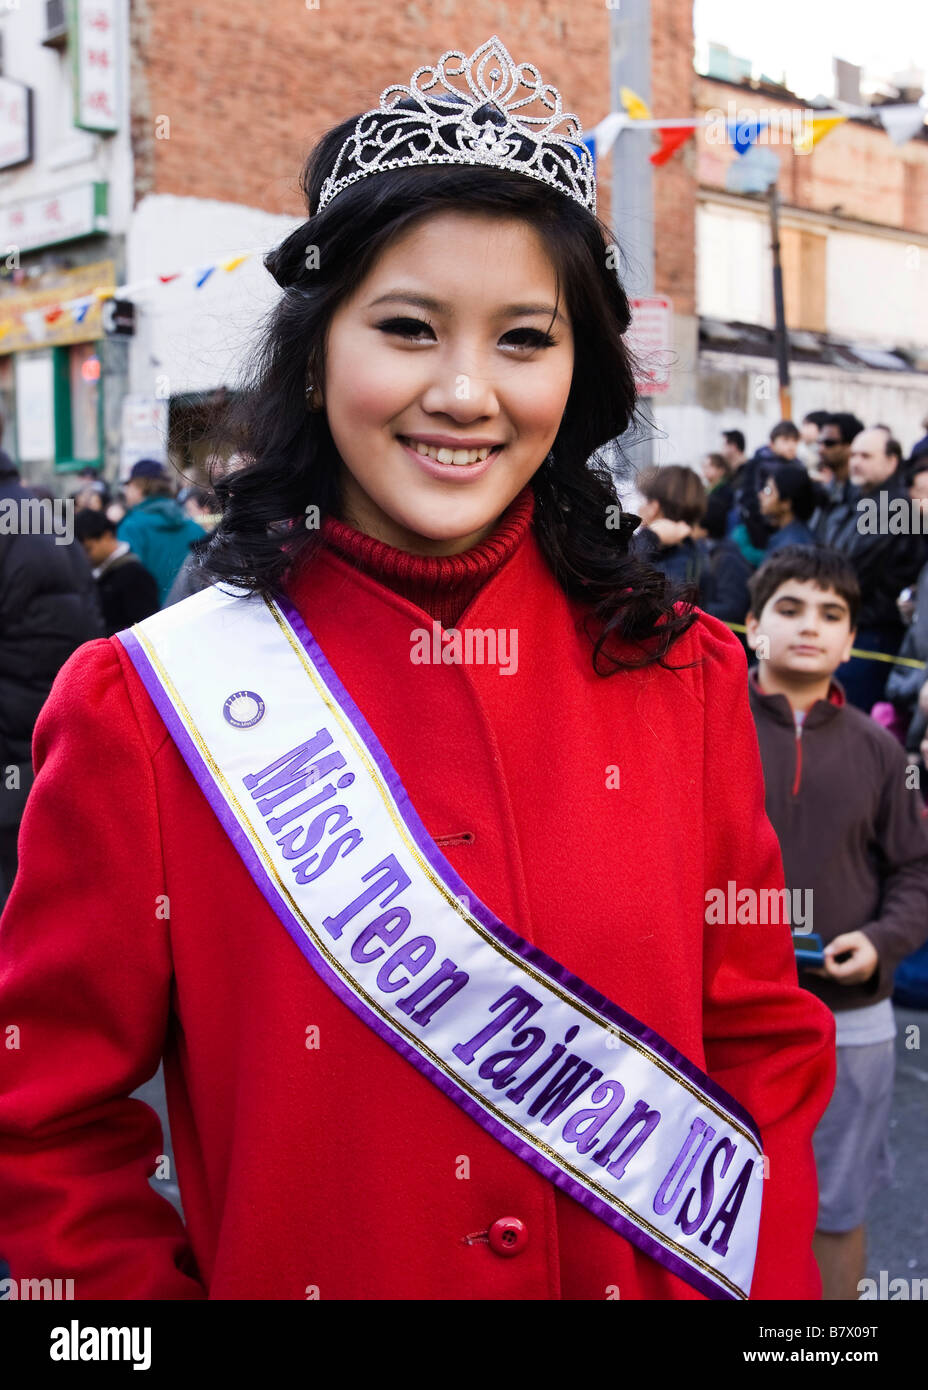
532, 337
412, 329
405, 328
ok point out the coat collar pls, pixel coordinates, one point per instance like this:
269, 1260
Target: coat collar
779, 709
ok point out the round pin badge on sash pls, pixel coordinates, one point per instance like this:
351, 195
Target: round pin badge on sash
243, 709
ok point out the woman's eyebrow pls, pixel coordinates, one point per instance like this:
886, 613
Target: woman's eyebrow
424, 301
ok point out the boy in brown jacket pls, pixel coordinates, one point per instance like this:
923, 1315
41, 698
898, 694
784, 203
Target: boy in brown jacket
851, 825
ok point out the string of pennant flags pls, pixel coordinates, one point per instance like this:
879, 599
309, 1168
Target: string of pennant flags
77, 308
900, 122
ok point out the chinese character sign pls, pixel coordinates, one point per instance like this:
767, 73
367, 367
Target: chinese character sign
94, 25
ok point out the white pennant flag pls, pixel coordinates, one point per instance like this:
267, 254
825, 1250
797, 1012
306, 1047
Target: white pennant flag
606, 132
901, 123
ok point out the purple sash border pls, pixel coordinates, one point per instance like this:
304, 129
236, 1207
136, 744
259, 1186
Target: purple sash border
516, 944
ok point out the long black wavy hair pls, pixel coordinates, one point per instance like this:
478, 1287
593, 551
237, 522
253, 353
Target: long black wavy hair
290, 460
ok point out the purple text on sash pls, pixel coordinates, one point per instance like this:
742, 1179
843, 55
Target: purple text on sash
555, 1091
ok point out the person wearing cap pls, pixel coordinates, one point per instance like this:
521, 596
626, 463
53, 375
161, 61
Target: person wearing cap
157, 530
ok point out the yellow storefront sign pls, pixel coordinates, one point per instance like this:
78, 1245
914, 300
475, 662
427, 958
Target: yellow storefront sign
28, 320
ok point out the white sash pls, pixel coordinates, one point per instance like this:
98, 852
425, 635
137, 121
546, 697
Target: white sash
595, 1101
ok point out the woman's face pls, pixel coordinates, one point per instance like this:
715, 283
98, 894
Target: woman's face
446, 342
769, 499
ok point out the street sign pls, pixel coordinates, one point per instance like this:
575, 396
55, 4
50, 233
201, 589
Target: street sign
144, 432
650, 339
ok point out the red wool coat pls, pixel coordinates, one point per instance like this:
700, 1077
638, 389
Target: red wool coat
294, 1172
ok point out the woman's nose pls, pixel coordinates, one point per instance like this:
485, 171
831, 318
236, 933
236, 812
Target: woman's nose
462, 395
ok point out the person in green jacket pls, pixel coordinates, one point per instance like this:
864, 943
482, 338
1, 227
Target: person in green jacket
157, 529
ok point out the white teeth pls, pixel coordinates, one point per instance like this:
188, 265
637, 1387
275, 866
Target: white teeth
459, 457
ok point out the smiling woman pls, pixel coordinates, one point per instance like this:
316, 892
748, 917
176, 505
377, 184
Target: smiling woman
257, 783
440, 420
455, 307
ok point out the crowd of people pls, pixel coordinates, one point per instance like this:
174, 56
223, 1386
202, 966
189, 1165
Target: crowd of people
134, 551
814, 547
829, 482
774, 545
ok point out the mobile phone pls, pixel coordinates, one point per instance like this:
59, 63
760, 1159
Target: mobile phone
810, 950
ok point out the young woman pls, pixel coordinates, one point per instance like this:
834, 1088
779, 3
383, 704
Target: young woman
674, 502
787, 500
469, 1030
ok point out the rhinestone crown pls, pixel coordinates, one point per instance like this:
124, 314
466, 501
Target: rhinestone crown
432, 121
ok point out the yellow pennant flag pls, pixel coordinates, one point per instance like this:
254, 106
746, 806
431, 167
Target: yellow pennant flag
636, 108
815, 130
231, 264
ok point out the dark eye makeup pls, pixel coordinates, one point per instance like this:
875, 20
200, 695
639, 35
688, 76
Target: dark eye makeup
412, 329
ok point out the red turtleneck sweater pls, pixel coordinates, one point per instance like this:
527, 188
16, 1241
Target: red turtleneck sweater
441, 585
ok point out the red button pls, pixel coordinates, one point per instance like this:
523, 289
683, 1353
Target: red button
508, 1236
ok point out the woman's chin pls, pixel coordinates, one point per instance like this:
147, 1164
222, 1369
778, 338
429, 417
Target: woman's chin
439, 536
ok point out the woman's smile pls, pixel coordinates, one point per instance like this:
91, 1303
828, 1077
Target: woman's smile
459, 464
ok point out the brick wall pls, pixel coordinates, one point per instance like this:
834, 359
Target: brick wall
250, 88
855, 170
243, 91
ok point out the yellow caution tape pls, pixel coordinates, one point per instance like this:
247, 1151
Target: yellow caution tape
866, 656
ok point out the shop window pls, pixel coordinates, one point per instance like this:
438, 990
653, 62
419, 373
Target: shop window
78, 407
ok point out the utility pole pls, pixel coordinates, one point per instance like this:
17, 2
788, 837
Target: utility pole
780, 331
632, 195
632, 199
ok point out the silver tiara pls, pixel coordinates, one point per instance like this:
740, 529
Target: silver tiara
432, 121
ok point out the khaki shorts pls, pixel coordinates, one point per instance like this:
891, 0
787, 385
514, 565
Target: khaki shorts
851, 1142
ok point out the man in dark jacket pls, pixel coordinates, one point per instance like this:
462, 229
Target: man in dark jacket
854, 838
723, 584
128, 591
836, 435
885, 557
907, 686
48, 607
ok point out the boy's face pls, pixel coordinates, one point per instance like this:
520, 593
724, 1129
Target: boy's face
785, 447
98, 547
807, 630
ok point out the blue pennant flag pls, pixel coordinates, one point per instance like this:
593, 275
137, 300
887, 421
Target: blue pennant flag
743, 134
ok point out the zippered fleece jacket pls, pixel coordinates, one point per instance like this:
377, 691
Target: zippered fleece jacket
851, 822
